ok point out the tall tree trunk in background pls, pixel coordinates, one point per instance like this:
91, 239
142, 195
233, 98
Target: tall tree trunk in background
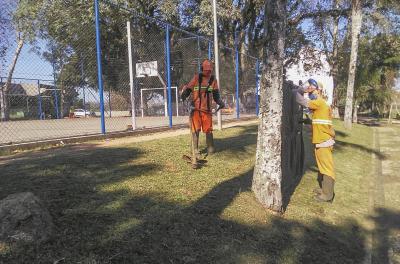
4, 107
355, 112
267, 176
356, 21
243, 67
390, 114
335, 70
63, 112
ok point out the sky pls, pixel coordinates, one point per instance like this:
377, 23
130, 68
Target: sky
29, 65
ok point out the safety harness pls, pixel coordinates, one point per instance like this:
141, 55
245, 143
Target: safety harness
208, 90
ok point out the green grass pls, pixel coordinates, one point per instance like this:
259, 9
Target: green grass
140, 203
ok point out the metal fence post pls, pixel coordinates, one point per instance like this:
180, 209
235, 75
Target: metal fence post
131, 85
216, 57
109, 101
177, 101
2, 95
99, 68
237, 76
83, 88
84, 99
55, 93
39, 101
257, 84
167, 40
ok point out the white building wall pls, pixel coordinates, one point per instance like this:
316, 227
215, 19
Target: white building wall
297, 73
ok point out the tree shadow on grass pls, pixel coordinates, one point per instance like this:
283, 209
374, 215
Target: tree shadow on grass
371, 122
97, 223
341, 134
68, 180
293, 156
385, 222
198, 234
171, 233
342, 144
118, 226
238, 143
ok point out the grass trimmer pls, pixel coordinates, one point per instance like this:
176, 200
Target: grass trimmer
193, 159
195, 162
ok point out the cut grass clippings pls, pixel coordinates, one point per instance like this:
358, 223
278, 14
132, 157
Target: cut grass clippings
140, 203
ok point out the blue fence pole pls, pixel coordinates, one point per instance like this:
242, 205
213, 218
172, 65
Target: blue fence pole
237, 77
209, 50
55, 93
167, 45
257, 86
99, 68
39, 101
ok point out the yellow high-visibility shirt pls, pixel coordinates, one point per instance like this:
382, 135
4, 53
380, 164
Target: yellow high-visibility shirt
322, 129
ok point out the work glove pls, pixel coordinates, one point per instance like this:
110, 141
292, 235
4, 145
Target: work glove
220, 106
306, 121
218, 100
185, 94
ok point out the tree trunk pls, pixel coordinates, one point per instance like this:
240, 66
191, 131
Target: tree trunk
63, 112
356, 21
4, 107
355, 113
2, 102
267, 176
335, 70
390, 114
243, 66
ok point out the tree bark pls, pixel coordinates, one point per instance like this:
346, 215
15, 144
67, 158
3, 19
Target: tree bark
243, 66
355, 113
390, 114
4, 107
356, 21
335, 70
267, 176
63, 112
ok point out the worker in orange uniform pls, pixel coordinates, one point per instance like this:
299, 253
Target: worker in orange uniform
322, 137
204, 89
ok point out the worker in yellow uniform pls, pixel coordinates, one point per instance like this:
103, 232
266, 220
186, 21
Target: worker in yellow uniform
322, 137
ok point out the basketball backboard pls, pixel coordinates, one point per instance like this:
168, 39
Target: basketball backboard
146, 69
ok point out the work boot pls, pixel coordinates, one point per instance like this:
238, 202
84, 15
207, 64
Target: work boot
195, 138
210, 143
328, 193
320, 179
317, 190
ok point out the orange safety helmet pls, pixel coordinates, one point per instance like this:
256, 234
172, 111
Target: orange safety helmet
206, 66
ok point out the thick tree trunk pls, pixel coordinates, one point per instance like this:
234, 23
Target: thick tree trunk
267, 176
4, 107
335, 70
356, 21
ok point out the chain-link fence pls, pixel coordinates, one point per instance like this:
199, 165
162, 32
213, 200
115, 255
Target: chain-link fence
144, 64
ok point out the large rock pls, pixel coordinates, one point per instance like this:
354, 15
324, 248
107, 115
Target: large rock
24, 218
